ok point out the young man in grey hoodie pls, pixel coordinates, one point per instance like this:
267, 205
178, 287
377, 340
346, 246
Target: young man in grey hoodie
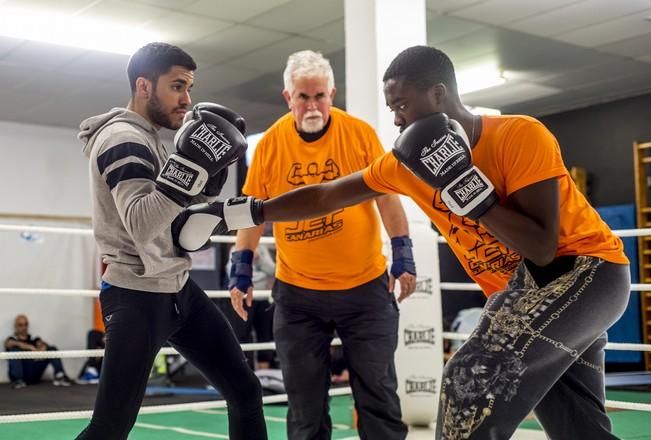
146, 295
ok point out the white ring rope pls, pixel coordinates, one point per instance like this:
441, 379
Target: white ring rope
460, 286
623, 233
154, 409
621, 346
58, 354
48, 229
257, 294
87, 231
473, 286
263, 240
267, 240
213, 404
615, 404
231, 238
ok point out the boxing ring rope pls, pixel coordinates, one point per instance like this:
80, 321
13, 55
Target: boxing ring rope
89, 232
231, 238
6, 355
91, 293
622, 233
153, 409
639, 287
245, 347
621, 346
261, 294
225, 293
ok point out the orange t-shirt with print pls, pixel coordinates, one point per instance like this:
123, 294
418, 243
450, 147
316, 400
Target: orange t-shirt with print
513, 152
337, 251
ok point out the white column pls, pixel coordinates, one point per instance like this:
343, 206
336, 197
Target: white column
377, 31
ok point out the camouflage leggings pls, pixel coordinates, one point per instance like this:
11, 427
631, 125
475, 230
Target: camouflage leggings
538, 346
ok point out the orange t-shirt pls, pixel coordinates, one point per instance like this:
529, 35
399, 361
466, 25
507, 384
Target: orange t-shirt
513, 152
338, 251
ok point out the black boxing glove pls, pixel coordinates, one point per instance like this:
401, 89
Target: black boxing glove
435, 148
215, 184
225, 112
206, 144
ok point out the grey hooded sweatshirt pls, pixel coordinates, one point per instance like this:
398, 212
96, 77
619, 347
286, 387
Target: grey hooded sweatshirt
131, 218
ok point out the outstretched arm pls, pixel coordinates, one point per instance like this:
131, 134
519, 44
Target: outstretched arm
308, 202
315, 200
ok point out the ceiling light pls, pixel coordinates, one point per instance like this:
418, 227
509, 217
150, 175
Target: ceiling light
65, 30
479, 78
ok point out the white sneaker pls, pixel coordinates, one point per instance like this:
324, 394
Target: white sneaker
61, 380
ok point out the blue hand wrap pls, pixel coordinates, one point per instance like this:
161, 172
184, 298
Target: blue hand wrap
403, 257
241, 270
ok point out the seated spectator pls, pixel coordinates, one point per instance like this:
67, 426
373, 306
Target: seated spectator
29, 371
89, 373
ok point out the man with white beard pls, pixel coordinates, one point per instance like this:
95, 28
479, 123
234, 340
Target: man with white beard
331, 275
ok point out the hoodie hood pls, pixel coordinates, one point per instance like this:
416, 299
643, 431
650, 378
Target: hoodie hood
89, 127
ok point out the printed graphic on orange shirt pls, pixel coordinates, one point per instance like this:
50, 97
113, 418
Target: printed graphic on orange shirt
483, 252
315, 229
313, 173
300, 174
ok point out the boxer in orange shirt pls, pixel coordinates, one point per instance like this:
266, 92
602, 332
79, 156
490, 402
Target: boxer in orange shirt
498, 191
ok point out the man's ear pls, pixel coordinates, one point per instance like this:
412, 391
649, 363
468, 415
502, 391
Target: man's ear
143, 87
439, 93
288, 98
333, 93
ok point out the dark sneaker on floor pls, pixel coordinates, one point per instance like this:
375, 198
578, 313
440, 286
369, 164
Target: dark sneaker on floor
61, 380
18, 384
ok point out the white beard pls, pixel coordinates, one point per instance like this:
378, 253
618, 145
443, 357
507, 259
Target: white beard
309, 124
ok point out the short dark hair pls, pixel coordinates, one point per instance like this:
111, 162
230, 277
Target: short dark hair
422, 66
156, 59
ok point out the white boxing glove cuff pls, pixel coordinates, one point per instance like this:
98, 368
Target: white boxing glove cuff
467, 191
183, 175
242, 213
